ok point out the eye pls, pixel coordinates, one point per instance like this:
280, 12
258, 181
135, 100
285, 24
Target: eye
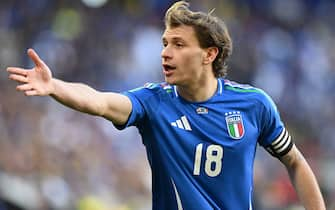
164, 44
179, 45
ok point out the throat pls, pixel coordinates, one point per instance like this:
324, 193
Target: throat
198, 93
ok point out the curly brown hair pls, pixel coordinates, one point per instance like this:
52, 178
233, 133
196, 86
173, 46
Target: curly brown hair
211, 31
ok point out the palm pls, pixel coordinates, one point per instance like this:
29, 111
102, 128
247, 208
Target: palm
39, 78
36, 81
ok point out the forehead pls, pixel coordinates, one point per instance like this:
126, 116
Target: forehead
183, 32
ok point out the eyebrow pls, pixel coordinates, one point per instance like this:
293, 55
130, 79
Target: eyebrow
173, 39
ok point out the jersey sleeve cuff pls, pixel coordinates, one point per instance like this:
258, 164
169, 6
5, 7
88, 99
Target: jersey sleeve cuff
131, 117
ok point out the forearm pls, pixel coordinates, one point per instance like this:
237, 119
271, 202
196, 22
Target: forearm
77, 96
305, 183
112, 106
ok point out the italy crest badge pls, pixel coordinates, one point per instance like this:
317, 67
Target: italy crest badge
235, 124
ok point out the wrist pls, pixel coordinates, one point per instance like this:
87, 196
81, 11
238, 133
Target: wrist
53, 85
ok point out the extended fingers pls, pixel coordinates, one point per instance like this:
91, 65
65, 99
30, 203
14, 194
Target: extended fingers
36, 59
24, 87
18, 78
27, 89
30, 93
16, 70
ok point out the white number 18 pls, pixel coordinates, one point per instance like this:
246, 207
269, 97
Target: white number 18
214, 155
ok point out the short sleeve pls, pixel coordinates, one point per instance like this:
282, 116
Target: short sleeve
273, 135
137, 97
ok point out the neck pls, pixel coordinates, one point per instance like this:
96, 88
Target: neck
199, 91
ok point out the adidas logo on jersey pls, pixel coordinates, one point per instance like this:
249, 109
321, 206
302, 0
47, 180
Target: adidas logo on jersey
182, 123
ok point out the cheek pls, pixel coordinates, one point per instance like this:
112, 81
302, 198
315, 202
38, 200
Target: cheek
191, 58
192, 61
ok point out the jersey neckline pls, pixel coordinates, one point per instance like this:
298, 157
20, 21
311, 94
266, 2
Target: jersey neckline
219, 91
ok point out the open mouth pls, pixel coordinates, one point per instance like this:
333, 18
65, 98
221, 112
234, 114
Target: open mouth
168, 67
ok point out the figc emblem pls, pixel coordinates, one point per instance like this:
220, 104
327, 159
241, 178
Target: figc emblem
235, 124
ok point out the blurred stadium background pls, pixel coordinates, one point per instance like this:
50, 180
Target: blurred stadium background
54, 158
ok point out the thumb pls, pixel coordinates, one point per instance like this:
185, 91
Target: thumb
36, 59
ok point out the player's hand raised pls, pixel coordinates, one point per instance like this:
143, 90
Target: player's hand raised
35, 81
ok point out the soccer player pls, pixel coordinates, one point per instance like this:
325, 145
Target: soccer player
200, 130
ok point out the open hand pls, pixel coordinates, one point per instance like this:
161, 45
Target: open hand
35, 81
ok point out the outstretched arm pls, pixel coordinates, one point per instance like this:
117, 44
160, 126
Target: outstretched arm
303, 180
38, 81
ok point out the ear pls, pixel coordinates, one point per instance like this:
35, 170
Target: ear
210, 54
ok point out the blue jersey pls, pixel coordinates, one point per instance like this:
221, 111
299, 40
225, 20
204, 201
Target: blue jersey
202, 153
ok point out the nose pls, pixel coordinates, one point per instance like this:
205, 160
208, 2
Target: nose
166, 53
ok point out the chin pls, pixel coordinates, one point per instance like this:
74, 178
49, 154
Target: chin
170, 81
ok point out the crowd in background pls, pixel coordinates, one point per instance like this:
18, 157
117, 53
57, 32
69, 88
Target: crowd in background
54, 158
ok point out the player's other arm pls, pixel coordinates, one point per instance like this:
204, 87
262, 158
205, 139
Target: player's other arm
39, 81
303, 180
